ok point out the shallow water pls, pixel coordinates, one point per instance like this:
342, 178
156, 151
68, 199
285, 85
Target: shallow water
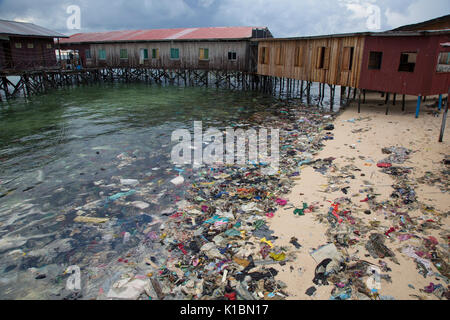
69, 148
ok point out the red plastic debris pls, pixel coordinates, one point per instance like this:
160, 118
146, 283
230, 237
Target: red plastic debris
231, 296
181, 247
384, 165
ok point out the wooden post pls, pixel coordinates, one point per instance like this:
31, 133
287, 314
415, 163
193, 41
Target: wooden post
364, 96
403, 103
387, 98
308, 93
301, 92
359, 102
440, 102
419, 100
444, 120
395, 98
341, 98
331, 97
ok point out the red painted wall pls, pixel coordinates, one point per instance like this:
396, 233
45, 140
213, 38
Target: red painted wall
425, 80
25, 58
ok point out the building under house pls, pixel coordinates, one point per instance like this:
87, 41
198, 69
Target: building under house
26, 46
226, 48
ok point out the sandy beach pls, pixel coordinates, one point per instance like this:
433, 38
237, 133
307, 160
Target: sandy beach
359, 140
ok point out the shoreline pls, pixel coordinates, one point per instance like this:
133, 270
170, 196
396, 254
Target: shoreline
360, 143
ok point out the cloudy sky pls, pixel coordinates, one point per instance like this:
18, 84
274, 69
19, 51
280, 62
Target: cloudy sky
283, 17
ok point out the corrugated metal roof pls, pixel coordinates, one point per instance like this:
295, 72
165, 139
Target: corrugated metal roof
164, 35
369, 34
27, 29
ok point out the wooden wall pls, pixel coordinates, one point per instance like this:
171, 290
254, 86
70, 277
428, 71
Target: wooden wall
2, 58
189, 55
282, 55
39, 55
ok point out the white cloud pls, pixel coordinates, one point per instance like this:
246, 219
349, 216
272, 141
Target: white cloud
205, 3
283, 17
416, 11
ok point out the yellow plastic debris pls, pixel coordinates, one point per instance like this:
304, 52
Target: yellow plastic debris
90, 220
264, 240
278, 257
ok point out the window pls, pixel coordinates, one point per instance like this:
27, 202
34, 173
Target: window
144, 53
30, 46
204, 54
265, 56
88, 54
407, 61
155, 53
102, 54
18, 45
174, 53
443, 62
123, 54
323, 58
347, 62
375, 60
279, 58
49, 46
299, 51
232, 56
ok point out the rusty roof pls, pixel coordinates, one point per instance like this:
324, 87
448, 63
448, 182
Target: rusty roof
27, 29
440, 23
367, 34
213, 33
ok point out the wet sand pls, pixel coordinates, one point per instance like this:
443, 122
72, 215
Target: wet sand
378, 131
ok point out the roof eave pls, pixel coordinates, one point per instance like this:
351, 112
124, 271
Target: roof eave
153, 41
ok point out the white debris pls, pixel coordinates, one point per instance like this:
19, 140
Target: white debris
140, 204
129, 182
178, 181
128, 290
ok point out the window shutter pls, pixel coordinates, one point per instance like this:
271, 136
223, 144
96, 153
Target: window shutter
326, 63
319, 58
346, 59
299, 56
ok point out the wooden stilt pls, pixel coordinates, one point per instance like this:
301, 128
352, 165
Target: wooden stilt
301, 91
359, 102
444, 120
404, 103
